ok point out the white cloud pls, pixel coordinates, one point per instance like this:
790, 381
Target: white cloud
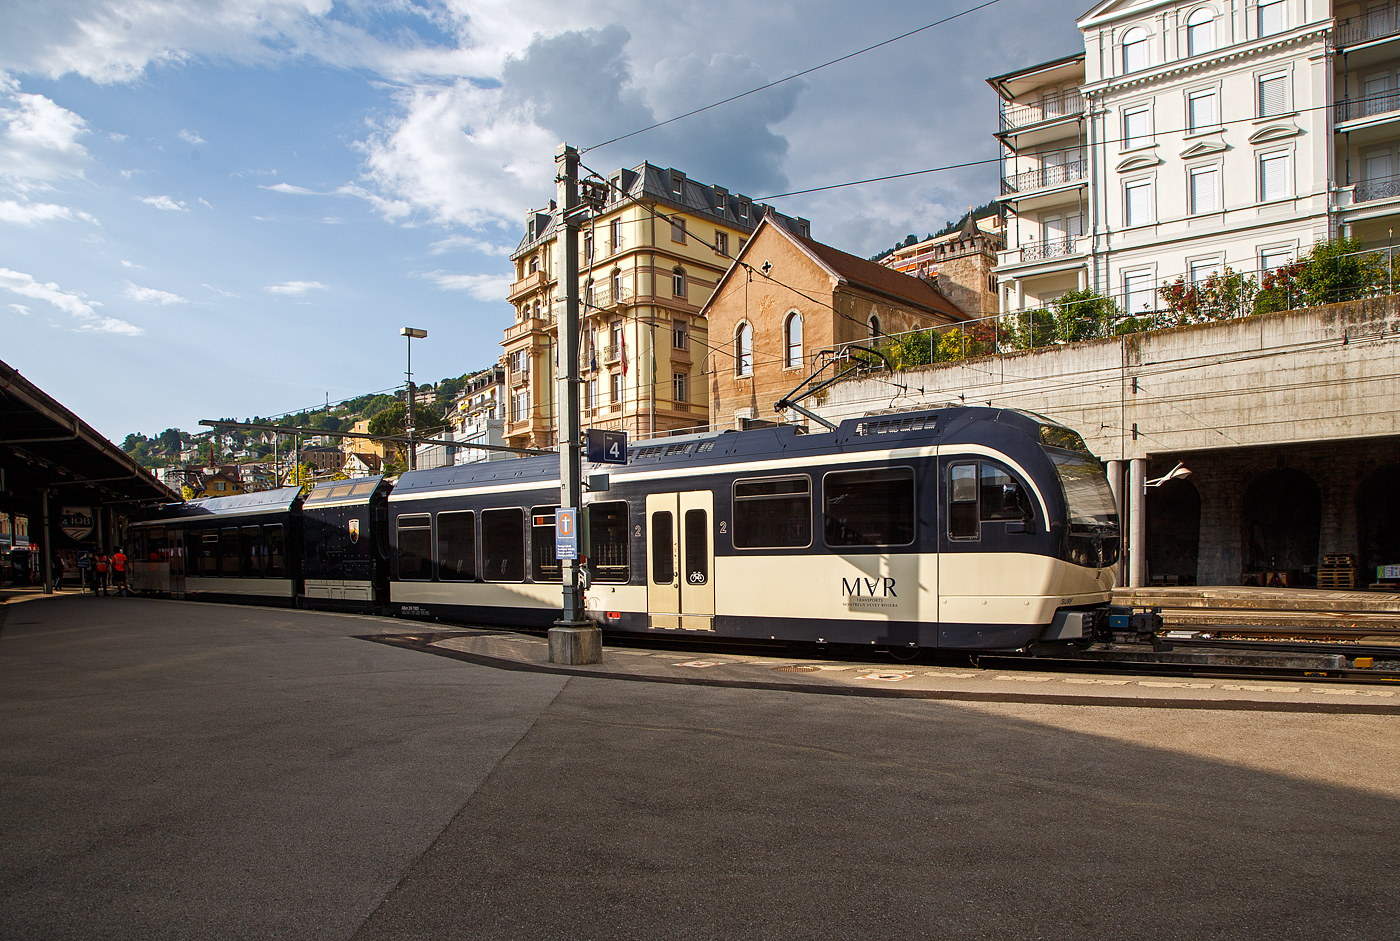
190, 137
128, 264
38, 140
116, 137
163, 202
485, 287
453, 242
205, 203
152, 296
20, 308
220, 291
67, 301
289, 188
294, 288
27, 213
331, 220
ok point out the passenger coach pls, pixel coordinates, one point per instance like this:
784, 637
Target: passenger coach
961, 527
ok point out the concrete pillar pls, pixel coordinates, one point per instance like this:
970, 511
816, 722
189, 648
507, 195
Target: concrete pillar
1083, 279
1005, 296
46, 545
1137, 523
1020, 294
1115, 483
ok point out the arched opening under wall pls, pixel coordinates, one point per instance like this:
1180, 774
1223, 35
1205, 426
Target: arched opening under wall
1173, 533
1378, 522
1282, 527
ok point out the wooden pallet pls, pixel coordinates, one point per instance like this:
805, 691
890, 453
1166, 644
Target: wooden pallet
1339, 560
1337, 578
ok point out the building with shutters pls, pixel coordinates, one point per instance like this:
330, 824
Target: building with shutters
649, 259
1193, 136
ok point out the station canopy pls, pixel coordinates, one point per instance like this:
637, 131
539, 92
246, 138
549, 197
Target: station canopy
44, 446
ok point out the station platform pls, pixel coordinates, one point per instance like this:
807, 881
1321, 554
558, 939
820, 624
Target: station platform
1372, 616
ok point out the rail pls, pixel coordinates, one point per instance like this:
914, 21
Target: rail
1354, 109
1376, 23
1066, 105
1385, 187
1044, 177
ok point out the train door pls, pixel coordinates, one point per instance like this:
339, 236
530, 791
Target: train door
681, 560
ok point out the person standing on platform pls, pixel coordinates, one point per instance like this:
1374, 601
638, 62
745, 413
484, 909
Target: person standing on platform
100, 578
57, 572
119, 572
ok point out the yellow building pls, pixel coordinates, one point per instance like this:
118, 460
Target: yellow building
649, 260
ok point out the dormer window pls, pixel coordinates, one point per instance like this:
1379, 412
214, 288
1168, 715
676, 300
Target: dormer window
1134, 50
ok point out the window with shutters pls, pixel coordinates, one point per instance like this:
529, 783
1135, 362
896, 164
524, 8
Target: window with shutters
1202, 269
615, 234
1200, 32
1271, 258
678, 281
1139, 297
1275, 176
1202, 110
678, 229
1272, 18
1137, 127
1135, 49
679, 387
1203, 190
1273, 94
1137, 202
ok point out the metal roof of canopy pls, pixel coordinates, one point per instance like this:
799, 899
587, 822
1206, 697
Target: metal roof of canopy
44, 446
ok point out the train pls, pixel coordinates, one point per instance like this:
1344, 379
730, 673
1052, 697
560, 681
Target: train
962, 527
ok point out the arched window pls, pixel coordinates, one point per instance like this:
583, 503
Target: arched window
1135, 49
617, 286
534, 263
1200, 32
678, 281
792, 340
743, 350
874, 326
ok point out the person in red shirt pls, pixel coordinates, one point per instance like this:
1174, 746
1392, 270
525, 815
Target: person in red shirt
119, 571
100, 567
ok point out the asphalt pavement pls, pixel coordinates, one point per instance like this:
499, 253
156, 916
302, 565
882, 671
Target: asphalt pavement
179, 770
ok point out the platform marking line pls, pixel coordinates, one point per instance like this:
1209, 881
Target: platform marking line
1027, 679
700, 664
1353, 692
1176, 685
835, 669
1085, 681
952, 676
1261, 689
885, 677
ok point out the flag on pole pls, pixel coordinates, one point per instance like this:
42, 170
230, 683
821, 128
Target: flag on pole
624, 354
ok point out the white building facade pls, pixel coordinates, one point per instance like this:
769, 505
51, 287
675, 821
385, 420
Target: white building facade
1193, 136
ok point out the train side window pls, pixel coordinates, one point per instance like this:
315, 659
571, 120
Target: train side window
697, 547
208, 549
503, 545
663, 571
962, 501
773, 513
416, 547
609, 544
228, 551
274, 538
1002, 495
456, 544
869, 507
250, 552
545, 565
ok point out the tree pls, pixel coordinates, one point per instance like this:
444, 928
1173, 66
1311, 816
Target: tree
1218, 297
1083, 315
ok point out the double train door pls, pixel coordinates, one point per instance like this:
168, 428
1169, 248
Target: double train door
681, 560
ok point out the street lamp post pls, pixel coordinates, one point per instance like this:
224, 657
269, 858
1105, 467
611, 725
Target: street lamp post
412, 333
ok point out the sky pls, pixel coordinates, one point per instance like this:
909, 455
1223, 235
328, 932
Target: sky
228, 208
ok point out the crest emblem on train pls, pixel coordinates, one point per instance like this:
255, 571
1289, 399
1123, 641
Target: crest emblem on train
354, 531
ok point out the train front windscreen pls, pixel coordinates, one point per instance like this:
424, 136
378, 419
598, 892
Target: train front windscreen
1093, 513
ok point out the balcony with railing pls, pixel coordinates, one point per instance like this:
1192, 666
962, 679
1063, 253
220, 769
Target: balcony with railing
531, 282
605, 297
1054, 174
1377, 23
1355, 109
1048, 250
528, 325
1067, 105
1385, 187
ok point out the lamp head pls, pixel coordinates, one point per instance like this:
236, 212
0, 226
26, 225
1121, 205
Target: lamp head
413, 332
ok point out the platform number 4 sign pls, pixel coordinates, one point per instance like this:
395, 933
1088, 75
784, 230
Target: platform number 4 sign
606, 447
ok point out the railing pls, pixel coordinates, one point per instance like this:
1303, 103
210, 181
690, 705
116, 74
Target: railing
1352, 109
1068, 104
1386, 187
1051, 248
605, 297
528, 283
1373, 24
1052, 175
612, 354
525, 326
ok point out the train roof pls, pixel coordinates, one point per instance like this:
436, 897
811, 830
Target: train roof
872, 432
243, 504
356, 491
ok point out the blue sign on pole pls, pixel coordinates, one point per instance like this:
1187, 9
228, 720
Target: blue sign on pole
566, 533
606, 447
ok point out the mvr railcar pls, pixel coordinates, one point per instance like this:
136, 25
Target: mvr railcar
959, 527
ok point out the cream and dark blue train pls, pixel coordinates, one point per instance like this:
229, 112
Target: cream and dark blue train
972, 528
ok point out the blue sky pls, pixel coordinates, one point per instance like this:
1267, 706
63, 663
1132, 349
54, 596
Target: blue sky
214, 208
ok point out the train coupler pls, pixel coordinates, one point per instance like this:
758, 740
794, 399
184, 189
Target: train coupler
1134, 623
